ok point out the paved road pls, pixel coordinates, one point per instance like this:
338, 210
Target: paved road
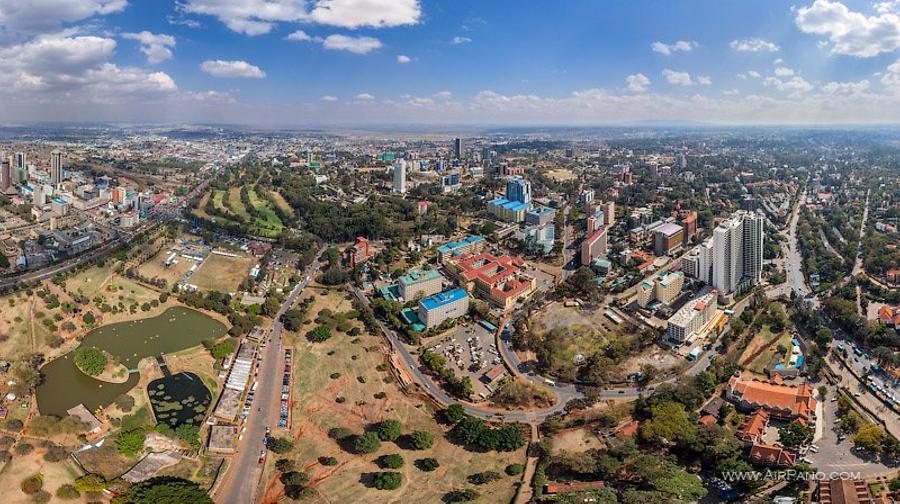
240, 482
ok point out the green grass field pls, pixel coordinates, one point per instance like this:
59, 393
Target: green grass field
271, 224
234, 199
281, 203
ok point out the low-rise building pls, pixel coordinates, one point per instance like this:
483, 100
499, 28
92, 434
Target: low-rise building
787, 402
499, 280
667, 239
690, 319
844, 491
416, 284
468, 245
772, 455
450, 304
358, 253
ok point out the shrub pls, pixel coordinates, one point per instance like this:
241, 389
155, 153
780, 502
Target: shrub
465, 495
454, 413
90, 360
319, 334
285, 465
339, 433
391, 461
485, 477
24, 448
328, 461
124, 402
131, 442
367, 442
32, 484
90, 483
279, 445
14, 425
421, 440
387, 480
294, 478
427, 464
41, 497
389, 430
68, 491
514, 469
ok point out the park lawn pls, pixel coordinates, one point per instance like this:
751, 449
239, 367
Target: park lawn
128, 291
281, 203
200, 209
155, 267
761, 341
89, 281
222, 273
271, 224
234, 199
54, 474
218, 200
315, 411
15, 325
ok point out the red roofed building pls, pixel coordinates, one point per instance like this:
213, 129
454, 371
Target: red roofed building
893, 275
707, 420
772, 455
844, 491
358, 253
754, 426
889, 315
499, 280
781, 401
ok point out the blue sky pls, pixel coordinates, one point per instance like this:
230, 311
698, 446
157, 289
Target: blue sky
459, 61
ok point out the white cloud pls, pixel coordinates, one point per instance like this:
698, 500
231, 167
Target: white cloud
637, 83
232, 69
156, 46
40, 16
365, 97
460, 40
677, 78
442, 95
299, 36
891, 77
403, 59
731, 92
754, 74
753, 45
784, 72
668, 49
356, 45
795, 84
704, 80
359, 13
885, 7
329, 98
848, 32
846, 87
257, 17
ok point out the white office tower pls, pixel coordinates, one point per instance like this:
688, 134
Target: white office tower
400, 177
21, 166
56, 167
738, 252
705, 261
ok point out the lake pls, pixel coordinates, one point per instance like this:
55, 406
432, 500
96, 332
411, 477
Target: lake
176, 329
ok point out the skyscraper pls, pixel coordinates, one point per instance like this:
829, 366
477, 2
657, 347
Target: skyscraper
518, 189
458, 148
56, 167
20, 164
400, 177
737, 252
5, 174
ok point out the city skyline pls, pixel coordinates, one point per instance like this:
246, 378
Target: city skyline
341, 62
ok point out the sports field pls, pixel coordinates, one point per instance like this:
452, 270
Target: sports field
221, 273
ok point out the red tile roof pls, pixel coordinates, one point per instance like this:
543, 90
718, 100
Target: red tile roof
773, 455
779, 399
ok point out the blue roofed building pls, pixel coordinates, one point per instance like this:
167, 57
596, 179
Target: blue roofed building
436, 309
510, 211
540, 216
470, 244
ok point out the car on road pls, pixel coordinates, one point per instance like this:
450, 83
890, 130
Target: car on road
262, 456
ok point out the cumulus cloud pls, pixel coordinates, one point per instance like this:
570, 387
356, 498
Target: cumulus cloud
299, 36
668, 49
156, 46
403, 59
356, 45
329, 98
846, 87
704, 80
784, 72
849, 32
365, 97
795, 84
442, 95
637, 83
460, 40
677, 78
753, 45
232, 69
256, 17
40, 16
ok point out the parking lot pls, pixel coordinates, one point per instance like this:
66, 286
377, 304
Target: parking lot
470, 351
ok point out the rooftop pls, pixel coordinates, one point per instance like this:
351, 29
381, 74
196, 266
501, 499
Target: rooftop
417, 276
451, 246
668, 229
443, 298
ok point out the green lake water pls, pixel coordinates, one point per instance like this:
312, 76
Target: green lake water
178, 328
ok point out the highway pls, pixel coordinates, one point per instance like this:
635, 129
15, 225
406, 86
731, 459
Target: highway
241, 480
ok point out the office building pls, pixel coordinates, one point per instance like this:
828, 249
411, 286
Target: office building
6, 178
468, 245
587, 196
785, 402
400, 177
458, 148
56, 168
609, 212
539, 239
486, 156
498, 280
667, 238
518, 189
540, 216
689, 221
594, 246
510, 211
663, 289
691, 318
436, 309
358, 253
419, 284
738, 253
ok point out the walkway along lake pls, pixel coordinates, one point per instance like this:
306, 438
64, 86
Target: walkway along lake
178, 328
